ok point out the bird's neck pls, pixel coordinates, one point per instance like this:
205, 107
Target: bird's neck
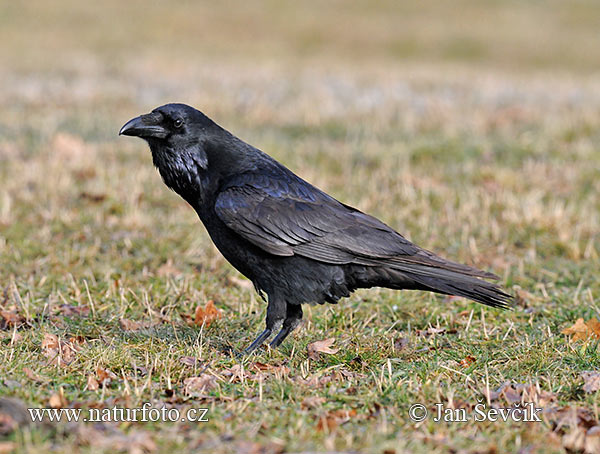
182, 174
196, 172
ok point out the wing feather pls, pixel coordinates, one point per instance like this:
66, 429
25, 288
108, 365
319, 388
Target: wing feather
292, 217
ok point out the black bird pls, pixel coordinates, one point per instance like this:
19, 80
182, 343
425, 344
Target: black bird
296, 243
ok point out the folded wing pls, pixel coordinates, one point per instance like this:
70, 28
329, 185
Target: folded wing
292, 217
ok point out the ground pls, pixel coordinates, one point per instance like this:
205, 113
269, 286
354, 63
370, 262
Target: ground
473, 130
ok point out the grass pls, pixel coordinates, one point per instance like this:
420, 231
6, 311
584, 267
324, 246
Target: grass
467, 155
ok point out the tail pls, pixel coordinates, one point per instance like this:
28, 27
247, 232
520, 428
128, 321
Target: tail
447, 282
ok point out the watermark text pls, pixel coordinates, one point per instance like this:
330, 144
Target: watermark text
145, 413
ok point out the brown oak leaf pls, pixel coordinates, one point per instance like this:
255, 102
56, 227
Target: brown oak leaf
467, 361
58, 400
330, 420
207, 314
92, 383
591, 381
323, 346
583, 330
199, 385
59, 352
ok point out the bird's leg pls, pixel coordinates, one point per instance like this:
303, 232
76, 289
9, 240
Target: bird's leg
258, 341
276, 312
293, 318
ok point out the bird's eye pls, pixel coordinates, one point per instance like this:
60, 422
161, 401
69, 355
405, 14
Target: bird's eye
178, 123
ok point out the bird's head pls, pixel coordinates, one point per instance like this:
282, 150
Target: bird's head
171, 125
189, 149
177, 135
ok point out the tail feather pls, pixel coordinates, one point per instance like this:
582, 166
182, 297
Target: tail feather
450, 282
429, 259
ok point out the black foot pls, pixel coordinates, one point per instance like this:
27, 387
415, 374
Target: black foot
277, 312
281, 335
257, 342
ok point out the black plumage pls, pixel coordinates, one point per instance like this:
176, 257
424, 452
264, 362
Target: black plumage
296, 243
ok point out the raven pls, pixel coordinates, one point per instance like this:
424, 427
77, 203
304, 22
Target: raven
296, 243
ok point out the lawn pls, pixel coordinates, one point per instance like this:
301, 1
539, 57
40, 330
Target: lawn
473, 130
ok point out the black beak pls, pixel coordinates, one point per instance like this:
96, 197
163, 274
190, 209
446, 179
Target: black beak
145, 126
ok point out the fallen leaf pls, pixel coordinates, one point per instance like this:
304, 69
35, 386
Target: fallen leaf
579, 330
105, 376
592, 440
133, 325
190, 361
283, 370
77, 340
323, 346
431, 331
572, 417
59, 352
583, 330
237, 372
50, 341
313, 402
331, 420
199, 385
129, 325
584, 432
92, 383
467, 361
594, 325
401, 343
58, 400
69, 310
513, 393
205, 316
591, 381
11, 318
